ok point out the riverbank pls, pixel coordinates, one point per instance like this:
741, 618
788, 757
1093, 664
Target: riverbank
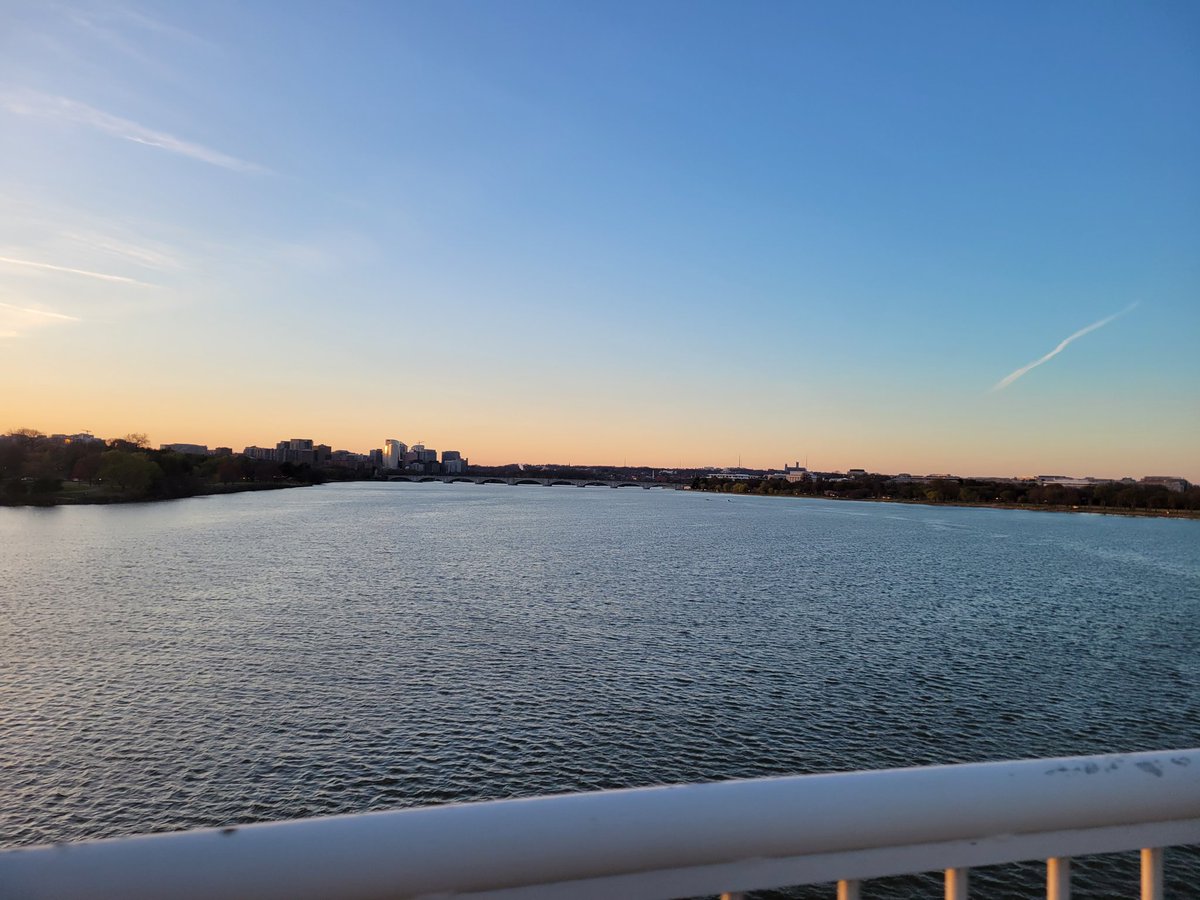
76, 494
1024, 507
1028, 507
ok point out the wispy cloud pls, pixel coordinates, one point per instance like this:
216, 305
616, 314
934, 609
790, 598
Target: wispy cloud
45, 106
36, 228
150, 257
15, 320
1013, 376
49, 267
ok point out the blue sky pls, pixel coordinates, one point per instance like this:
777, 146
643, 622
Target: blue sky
668, 233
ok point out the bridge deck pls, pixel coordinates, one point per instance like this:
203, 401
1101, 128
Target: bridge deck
521, 479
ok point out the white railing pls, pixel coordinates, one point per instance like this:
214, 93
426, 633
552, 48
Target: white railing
678, 841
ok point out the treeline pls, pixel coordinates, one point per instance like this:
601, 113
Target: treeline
1115, 496
37, 470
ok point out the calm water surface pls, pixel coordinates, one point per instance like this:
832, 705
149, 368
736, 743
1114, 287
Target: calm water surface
370, 646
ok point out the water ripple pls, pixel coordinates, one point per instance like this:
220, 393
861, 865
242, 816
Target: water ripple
355, 647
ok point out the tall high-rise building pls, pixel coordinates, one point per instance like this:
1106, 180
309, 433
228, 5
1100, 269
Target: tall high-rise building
393, 453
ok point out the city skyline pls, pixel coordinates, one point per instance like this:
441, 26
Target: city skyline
929, 238
802, 463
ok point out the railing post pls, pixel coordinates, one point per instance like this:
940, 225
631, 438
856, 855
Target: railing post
1152, 874
848, 890
1058, 878
956, 884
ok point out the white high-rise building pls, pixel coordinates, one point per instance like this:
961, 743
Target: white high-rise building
393, 453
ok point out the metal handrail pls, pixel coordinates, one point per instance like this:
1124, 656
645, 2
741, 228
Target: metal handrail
665, 841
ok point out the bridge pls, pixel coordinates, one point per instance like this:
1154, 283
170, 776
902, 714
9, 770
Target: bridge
679, 841
524, 479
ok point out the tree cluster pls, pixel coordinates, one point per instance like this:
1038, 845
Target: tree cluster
38, 470
1115, 495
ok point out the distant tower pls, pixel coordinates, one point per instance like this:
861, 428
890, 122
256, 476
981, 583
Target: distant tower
393, 453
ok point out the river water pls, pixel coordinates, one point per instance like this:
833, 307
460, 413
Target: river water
368, 646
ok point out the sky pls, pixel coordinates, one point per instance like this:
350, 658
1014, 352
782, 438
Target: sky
668, 233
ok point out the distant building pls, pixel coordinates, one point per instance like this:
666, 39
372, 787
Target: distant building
344, 459
417, 458
419, 453
1071, 481
453, 463
295, 450
795, 472
222, 451
393, 454
856, 473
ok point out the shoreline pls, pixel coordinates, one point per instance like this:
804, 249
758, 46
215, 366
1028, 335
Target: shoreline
97, 499
1029, 507
1190, 514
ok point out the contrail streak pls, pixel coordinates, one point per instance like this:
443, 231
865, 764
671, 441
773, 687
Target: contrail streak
38, 312
16, 320
1013, 376
52, 268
